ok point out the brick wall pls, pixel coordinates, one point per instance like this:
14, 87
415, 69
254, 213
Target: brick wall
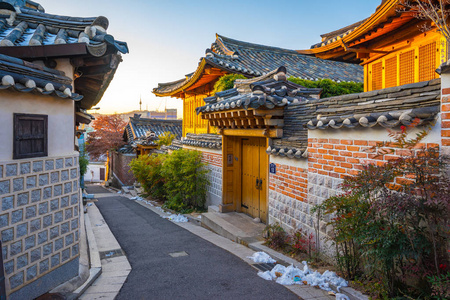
445, 118
121, 168
39, 219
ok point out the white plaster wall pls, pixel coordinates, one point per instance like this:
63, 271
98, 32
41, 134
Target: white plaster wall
60, 121
215, 151
93, 172
376, 134
292, 162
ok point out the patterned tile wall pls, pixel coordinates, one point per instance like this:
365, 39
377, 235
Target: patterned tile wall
39, 216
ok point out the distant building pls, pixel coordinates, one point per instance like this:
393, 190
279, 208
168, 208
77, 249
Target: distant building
167, 114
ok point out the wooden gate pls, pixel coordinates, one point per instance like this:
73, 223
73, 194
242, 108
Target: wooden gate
254, 178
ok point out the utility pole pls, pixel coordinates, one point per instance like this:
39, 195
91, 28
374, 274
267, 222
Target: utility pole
140, 103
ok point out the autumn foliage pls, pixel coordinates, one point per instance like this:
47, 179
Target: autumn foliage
107, 135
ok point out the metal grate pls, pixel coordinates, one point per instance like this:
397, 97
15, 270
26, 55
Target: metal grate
391, 72
264, 266
427, 62
111, 253
407, 67
377, 76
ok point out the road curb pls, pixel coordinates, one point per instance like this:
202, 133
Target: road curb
94, 259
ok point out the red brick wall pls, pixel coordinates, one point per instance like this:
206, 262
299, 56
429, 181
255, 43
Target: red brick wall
341, 157
120, 167
212, 158
445, 116
290, 181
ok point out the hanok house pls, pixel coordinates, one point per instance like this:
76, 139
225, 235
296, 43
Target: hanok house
228, 56
141, 136
314, 143
52, 68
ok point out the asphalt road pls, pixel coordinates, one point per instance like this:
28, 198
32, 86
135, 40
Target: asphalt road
207, 272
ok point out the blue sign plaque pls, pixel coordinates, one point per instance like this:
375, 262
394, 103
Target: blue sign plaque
273, 168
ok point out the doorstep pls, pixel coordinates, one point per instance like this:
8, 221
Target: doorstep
237, 227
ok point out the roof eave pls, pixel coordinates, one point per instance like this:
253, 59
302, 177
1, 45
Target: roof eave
45, 51
192, 80
367, 25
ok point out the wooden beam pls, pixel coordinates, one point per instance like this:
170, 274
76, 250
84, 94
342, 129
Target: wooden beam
271, 133
279, 112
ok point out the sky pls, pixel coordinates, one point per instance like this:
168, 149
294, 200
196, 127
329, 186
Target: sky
167, 38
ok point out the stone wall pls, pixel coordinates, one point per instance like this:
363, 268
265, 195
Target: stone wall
39, 221
287, 196
214, 161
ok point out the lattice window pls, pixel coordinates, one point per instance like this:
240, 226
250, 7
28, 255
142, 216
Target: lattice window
427, 62
390, 72
407, 67
377, 76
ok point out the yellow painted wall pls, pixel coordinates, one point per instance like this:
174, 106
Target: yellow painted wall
415, 63
193, 123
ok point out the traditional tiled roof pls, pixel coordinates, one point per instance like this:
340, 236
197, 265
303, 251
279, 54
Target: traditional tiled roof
25, 77
391, 107
212, 141
144, 131
28, 33
251, 60
268, 93
388, 108
31, 26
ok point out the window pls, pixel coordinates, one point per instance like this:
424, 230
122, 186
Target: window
427, 62
30, 136
391, 72
377, 76
407, 67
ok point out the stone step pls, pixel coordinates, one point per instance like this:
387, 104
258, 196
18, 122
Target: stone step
234, 226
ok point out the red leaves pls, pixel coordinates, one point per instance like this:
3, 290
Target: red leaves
107, 135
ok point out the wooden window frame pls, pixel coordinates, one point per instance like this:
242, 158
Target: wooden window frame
21, 116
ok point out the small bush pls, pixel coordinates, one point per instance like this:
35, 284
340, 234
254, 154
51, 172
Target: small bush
276, 237
179, 179
147, 170
330, 87
226, 82
186, 180
392, 222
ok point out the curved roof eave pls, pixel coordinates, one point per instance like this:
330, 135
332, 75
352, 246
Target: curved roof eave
189, 82
370, 22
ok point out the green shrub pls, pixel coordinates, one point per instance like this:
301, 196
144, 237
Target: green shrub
185, 180
148, 172
330, 87
84, 162
226, 82
179, 179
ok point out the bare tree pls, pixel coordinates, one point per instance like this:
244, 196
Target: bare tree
437, 11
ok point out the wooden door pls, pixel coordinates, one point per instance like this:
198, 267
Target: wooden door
253, 196
102, 174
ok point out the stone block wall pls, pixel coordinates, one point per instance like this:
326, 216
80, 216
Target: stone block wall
39, 220
214, 161
287, 196
121, 168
